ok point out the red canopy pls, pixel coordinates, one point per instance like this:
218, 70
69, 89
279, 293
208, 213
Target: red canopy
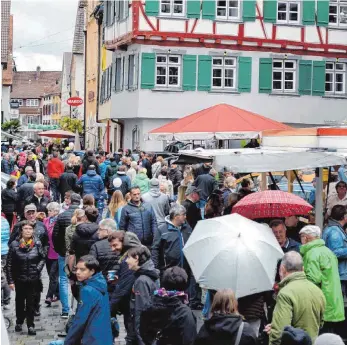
57, 133
222, 121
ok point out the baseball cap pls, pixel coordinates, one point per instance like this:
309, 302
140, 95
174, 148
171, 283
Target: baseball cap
154, 182
192, 189
30, 207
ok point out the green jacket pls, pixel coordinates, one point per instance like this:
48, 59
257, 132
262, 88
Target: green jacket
300, 304
321, 268
142, 181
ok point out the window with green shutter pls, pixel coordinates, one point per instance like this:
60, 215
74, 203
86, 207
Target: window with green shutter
244, 74
305, 77
147, 70
209, 9
308, 12
265, 75
323, 12
193, 9
189, 72
318, 79
248, 10
152, 7
270, 11
204, 72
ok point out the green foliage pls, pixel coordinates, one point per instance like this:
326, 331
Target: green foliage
71, 125
11, 126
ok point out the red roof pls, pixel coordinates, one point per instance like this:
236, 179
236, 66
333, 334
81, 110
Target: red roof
221, 118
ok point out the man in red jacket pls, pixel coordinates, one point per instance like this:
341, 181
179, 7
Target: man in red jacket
55, 168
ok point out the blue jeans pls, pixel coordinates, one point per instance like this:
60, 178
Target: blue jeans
201, 204
54, 183
63, 285
57, 342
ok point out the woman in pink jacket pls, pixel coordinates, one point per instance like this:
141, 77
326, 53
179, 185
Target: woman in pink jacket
52, 257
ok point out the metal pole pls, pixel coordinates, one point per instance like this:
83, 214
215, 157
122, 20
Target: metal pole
319, 198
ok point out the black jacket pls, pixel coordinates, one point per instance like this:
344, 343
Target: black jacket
167, 249
40, 232
9, 199
252, 307
107, 258
148, 166
193, 213
169, 320
175, 176
67, 181
24, 191
202, 170
90, 160
40, 205
85, 235
24, 265
207, 183
144, 286
58, 237
222, 330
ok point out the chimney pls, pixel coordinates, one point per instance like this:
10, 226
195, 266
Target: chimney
38, 70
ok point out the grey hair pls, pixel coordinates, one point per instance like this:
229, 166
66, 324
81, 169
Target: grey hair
109, 224
29, 168
311, 230
213, 172
53, 206
292, 262
177, 210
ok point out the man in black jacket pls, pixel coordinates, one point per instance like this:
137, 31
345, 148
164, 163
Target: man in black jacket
207, 183
67, 181
25, 191
89, 159
38, 199
193, 212
175, 176
58, 237
101, 250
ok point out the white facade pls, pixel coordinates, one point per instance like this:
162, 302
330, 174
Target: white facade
304, 83
78, 62
5, 102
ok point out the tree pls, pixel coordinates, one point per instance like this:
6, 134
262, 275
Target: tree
11, 126
71, 125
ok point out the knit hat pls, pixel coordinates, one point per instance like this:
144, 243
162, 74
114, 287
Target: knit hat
295, 336
154, 183
329, 339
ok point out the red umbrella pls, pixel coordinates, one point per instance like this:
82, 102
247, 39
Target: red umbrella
271, 204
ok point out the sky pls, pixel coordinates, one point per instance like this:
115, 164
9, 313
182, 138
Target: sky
42, 31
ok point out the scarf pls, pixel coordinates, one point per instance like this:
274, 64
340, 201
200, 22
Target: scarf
26, 244
162, 292
52, 219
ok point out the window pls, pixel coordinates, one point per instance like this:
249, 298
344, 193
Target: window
135, 138
335, 77
131, 71
338, 12
284, 75
19, 101
32, 102
31, 120
172, 7
118, 79
223, 73
288, 12
168, 70
110, 11
228, 9
123, 9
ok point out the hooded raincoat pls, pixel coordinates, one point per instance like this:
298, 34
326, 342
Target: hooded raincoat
92, 184
321, 268
141, 181
91, 324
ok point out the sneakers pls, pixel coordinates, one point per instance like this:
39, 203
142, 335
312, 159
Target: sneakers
48, 301
31, 331
18, 328
64, 315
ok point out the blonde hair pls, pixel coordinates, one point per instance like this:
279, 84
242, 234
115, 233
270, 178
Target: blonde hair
230, 182
116, 202
224, 302
77, 216
143, 170
40, 178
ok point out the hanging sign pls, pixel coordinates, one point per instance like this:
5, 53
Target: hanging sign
74, 101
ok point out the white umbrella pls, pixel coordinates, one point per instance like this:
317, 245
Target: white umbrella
233, 252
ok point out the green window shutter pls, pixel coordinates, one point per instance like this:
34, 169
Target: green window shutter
193, 9
323, 12
265, 75
305, 77
318, 80
189, 72
244, 74
204, 73
270, 11
309, 12
147, 70
152, 7
248, 11
209, 9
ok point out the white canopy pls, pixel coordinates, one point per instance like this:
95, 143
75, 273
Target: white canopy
265, 160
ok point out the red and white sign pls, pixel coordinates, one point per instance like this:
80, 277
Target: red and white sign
74, 101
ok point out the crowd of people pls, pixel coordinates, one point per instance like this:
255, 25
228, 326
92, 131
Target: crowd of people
110, 229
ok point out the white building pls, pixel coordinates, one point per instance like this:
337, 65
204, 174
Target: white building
66, 83
286, 60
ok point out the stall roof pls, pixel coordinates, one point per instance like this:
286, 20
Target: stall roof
264, 160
